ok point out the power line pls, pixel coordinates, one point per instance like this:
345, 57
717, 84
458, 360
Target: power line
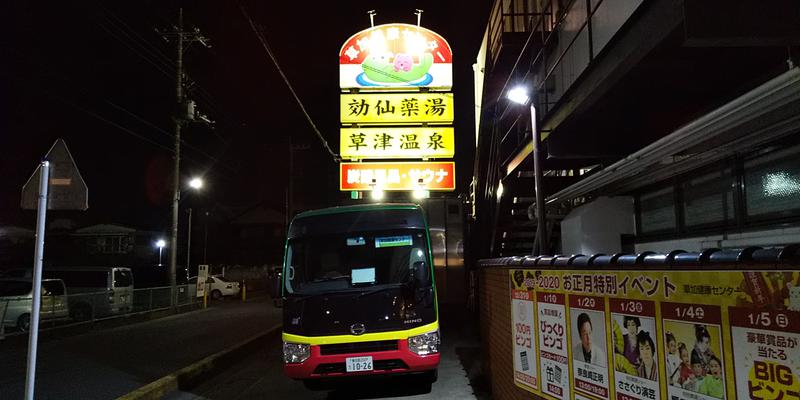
159, 129
266, 47
156, 57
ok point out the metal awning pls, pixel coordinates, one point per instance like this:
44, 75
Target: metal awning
760, 116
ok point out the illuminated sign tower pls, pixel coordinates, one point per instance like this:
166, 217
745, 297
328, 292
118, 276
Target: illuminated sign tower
396, 105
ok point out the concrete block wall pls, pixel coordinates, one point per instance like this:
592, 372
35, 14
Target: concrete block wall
495, 317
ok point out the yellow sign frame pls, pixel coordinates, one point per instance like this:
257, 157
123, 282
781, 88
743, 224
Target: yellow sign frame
396, 108
397, 142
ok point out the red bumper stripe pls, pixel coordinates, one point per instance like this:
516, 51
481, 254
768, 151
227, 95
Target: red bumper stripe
416, 363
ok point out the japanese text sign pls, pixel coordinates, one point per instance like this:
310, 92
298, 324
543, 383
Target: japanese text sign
660, 334
395, 56
429, 142
396, 108
523, 326
397, 176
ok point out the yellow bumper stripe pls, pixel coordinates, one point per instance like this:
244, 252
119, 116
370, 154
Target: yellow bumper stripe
367, 337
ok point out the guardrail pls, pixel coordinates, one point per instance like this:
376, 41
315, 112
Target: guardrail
86, 308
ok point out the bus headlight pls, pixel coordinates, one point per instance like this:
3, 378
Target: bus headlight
295, 352
427, 343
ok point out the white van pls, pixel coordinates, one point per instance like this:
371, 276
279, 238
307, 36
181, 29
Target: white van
96, 292
16, 302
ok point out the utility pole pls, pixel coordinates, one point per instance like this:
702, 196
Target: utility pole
205, 240
182, 38
289, 184
189, 244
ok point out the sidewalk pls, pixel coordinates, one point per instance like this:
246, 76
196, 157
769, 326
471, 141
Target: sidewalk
110, 363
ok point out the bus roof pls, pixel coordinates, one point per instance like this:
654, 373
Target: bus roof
358, 208
367, 217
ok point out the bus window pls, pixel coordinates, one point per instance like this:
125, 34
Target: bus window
348, 261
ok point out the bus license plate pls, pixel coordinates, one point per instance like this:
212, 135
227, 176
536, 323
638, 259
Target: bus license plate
358, 364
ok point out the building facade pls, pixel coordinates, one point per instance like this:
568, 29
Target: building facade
663, 124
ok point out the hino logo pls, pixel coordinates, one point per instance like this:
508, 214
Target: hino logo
357, 329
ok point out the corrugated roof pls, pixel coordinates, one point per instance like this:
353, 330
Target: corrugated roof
749, 255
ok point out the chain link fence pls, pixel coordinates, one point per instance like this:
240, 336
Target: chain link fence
84, 308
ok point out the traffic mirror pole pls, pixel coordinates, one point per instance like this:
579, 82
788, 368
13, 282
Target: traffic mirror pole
33, 337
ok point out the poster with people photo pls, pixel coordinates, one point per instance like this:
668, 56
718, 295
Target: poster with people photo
693, 348
635, 353
589, 354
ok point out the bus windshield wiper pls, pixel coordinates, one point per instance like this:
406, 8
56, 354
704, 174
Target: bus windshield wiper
383, 289
306, 296
334, 278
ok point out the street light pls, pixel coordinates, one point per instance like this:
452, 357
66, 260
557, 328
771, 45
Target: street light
520, 95
160, 244
419, 192
195, 183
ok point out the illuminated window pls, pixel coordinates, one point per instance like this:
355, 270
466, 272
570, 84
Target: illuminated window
772, 184
657, 210
708, 199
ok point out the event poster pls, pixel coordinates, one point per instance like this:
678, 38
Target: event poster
693, 350
766, 353
635, 353
553, 351
523, 326
589, 353
678, 334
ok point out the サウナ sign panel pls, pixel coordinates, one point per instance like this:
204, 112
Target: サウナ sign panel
438, 176
395, 56
396, 108
397, 142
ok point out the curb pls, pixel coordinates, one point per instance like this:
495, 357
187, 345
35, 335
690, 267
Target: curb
180, 378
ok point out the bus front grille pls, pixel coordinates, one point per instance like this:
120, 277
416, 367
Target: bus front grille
358, 347
378, 365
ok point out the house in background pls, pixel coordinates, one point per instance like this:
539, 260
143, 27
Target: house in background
16, 247
257, 236
111, 244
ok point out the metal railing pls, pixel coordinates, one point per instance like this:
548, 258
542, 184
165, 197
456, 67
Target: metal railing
82, 308
510, 16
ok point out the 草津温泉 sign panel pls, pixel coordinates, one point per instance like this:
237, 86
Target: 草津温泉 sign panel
438, 176
650, 335
395, 56
397, 142
396, 108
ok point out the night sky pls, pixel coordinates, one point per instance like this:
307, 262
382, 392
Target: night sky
98, 75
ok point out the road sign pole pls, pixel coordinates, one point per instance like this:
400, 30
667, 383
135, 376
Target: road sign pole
33, 339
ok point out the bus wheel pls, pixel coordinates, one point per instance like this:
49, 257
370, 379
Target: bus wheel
81, 313
431, 376
24, 322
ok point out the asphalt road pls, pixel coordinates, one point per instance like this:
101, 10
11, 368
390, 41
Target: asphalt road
259, 375
106, 364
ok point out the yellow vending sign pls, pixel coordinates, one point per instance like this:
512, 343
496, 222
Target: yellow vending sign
396, 108
397, 142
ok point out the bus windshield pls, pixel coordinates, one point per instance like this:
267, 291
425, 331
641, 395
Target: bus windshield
355, 260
